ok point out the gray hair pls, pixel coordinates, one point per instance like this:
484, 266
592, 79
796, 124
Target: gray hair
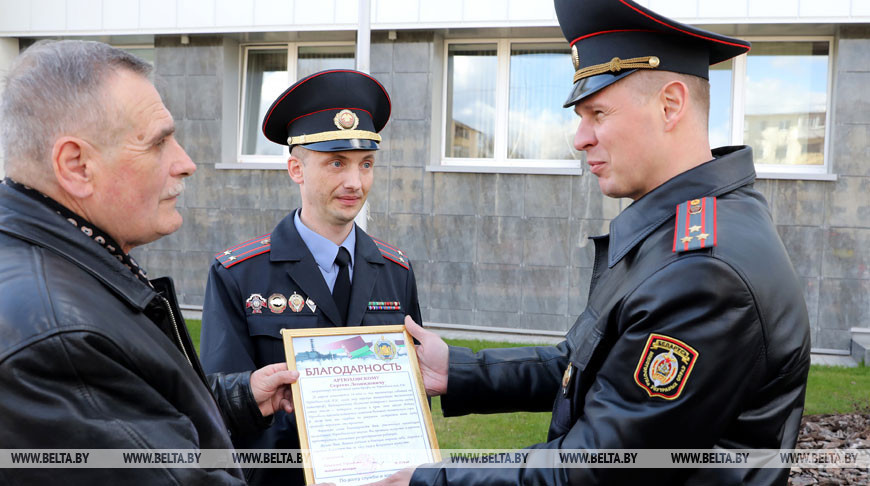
55, 88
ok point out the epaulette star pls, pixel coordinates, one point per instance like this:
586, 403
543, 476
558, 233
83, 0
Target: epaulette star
241, 252
695, 216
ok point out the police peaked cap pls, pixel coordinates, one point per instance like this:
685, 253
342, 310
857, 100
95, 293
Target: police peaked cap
330, 111
611, 39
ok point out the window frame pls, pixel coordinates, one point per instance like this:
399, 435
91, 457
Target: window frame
500, 161
271, 161
738, 112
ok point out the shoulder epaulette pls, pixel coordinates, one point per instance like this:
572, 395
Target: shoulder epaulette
392, 254
243, 251
696, 225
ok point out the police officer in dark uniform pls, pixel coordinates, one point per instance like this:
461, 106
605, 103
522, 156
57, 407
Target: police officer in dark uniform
317, 268
695, 334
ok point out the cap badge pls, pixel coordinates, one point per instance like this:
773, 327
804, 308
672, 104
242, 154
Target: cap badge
296, 302
255, 302
575, 57
277, 303
346, 120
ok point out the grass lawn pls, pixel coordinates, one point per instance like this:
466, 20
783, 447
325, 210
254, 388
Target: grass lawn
829, 390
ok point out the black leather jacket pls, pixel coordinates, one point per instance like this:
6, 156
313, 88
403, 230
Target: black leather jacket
738, 305
92, 358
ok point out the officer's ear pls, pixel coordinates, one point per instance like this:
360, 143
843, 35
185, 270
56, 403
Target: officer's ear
674, 98
73, 161
294, 168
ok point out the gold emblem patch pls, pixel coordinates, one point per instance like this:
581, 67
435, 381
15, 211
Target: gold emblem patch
346, 120
575, 57
296, 302
664, 366
277, 303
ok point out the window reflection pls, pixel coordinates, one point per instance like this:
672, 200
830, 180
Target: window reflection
720, 104
266, 78
786, 99
538, 126
471, 104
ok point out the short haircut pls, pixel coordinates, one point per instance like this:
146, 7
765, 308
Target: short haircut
55, 88
648, 83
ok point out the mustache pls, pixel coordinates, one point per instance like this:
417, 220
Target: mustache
175, 190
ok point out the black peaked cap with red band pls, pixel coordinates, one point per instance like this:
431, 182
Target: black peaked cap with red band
611, 39
330, 111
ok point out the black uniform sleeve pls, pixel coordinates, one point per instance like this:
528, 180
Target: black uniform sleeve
715, 314
413, 300
225, 344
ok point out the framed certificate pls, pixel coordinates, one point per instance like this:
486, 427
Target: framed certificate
361, 408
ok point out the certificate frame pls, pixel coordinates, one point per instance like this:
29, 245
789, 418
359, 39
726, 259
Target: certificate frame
289, 335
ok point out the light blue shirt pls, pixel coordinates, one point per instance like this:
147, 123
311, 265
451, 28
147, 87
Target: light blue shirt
325, 251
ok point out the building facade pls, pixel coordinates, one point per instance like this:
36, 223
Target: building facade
477, 180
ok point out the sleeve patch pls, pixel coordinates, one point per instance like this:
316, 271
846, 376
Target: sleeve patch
664, 367
241, 252
696, 226
392, 253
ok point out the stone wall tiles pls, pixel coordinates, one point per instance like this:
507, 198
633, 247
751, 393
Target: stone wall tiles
582, 248
203, 97
847, 254
455, 193
587, 201
223, 189
501, 195
451, 285
412, 57
381, 57
505, 320
844, 304
173, 92
170, 57
451, 238
204, 56
547, 196
547, 242
798, 202
409, 143
805, 245
379, 192
500, 240
498, 288
411, 96
851, 150
545, 290
812, 294
848, 205
406, 190
852, 104
277, 191
200, 139
828, 339
409, 232
853, 55
545, 322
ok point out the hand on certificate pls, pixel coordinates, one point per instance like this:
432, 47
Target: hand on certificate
432, 353
271, 388
403, 477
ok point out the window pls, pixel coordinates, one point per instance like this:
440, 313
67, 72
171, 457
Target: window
268, 71
503, 105
780, 104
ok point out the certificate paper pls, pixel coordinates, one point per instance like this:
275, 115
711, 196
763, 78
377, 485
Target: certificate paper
361, 408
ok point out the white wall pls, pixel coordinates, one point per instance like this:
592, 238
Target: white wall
8, 51
96, 17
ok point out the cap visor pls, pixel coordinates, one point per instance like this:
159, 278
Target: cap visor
591, 85
340, 145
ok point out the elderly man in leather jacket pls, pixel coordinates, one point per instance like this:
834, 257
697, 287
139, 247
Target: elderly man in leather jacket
696, 334
93, 355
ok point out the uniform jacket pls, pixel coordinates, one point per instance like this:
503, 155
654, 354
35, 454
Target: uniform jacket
93, 358
238, 335
734, 314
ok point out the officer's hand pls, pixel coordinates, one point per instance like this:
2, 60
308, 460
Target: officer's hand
432, 353
271, 388
401, 478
